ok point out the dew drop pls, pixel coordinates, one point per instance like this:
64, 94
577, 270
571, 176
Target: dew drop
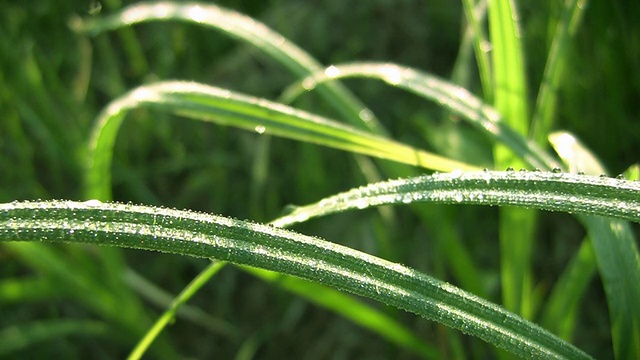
260, 129
366, 115
510, 169
92, 203
309, 84
556, 170
456, 173
332, 71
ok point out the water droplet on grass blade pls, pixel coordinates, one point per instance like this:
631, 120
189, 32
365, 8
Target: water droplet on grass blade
260, 129
332, 71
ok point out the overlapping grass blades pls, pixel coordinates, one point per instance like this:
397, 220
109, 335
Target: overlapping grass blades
202, 235
618, 260
451, 97
246, 29
224, 107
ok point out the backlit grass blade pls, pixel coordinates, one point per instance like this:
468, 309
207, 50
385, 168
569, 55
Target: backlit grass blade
452, 97
561, 309
271, 248
243, 28
516, 226
170, 313
224, 107
616, 254
618, 259
549, 191
566, 27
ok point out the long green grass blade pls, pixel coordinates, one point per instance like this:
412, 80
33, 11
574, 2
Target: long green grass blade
452, 97
618, 259
510, 99
202, 235
224, 107
551, 191
170, 313
542, 121
616, 253
243, 28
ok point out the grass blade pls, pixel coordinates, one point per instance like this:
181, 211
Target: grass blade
549, 191
452, 97
619, 263
566, 28
267, 247
243, 28
615, 251
212, 104
170, 313
510, 99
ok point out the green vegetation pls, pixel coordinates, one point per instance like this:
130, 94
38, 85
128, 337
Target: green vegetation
235, 111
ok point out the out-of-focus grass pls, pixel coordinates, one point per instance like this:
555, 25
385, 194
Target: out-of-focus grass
53, 82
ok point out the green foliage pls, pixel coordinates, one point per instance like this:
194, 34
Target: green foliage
72, 72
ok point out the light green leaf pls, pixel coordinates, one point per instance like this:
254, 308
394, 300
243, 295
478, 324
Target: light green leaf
224, 107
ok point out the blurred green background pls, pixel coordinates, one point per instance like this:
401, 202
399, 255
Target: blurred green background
53, 83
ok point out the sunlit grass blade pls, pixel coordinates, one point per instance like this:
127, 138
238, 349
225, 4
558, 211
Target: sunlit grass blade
452, 97
170, 313
508, 68
618, 259
566, 27
560, 311
243, 28
549, 191
164, 300
576, 156
616, 253
224, 107
18, 337
350, 308
271, 248
516, 226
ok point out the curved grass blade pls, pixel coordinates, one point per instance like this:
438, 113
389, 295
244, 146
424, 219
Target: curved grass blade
224, 107
267, 247
616, 254
243, 28
550, 191
454, 98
